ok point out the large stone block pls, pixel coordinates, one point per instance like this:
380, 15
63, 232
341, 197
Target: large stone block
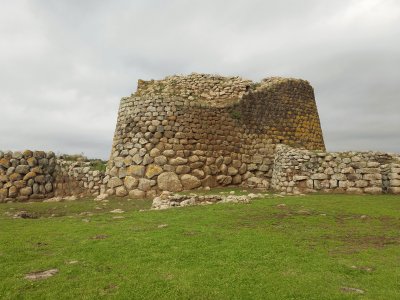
135, 171
190, 182
114, 182
373, 190
153, 170
169, 181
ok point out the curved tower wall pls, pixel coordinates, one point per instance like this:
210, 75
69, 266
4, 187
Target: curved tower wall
202, 130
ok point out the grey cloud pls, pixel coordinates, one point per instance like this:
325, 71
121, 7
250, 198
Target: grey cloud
65, 64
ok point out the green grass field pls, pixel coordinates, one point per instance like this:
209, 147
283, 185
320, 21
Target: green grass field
315, 247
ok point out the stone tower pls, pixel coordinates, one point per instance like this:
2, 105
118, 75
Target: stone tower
184, 132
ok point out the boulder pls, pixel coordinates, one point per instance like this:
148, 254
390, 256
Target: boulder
169, 181
121, 191
137, 194
190, 182
144, 184
135, 171
153, 170
26, 191
224, 180
130, 182
114, 182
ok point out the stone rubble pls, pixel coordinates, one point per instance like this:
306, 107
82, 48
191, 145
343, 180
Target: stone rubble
169, 200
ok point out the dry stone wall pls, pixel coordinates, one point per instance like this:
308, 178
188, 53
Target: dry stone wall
303, 171
184, 132
31, 175
75, 178
26, 175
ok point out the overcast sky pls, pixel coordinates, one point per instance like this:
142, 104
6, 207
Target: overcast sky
65, 64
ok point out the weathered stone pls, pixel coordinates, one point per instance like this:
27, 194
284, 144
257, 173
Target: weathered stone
209, 181
121, 191
3, 194
319, 176
114, 182
169, 153
15, 177
130, 182
160, 160
237, 179
224, 180
155, 152
137, 194
373, 190
40, 179
135, 171
395, 182
26, 191
12, 192
392, 190
182, 169
22, 169
147, 160
190, 182
20, 183
29, 175
153, 170
169, 181
5, 163
178, 161
299, 178
232, 171
144, 184
48, 187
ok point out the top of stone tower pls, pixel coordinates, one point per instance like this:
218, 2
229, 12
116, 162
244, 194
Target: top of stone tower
212, 90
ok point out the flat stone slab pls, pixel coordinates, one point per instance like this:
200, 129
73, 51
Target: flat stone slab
41, 274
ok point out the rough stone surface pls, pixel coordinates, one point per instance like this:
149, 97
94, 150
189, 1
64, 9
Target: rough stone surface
211, 127
190, 182
169, 181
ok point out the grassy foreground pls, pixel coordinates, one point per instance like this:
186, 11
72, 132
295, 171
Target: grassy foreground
315, 247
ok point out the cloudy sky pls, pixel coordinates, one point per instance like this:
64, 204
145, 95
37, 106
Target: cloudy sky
65, 64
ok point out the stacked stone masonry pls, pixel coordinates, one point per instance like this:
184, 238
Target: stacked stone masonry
31, 175
187, 132
184, 132
78, 179
303, 171
26, 175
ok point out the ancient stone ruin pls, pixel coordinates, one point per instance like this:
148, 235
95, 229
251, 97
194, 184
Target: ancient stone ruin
204, 131
184, 132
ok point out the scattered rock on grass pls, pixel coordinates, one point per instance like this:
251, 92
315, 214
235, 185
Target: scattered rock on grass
367, 269
282, 205
165, 201
41, 274
54, 199
351, 290
117, 211
162, 226
101, 197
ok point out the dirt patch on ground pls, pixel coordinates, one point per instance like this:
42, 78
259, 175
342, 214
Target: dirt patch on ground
365, 242
99, 237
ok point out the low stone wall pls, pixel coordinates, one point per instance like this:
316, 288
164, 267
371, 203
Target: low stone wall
26, 175
303, 171
31, 175
75, 178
